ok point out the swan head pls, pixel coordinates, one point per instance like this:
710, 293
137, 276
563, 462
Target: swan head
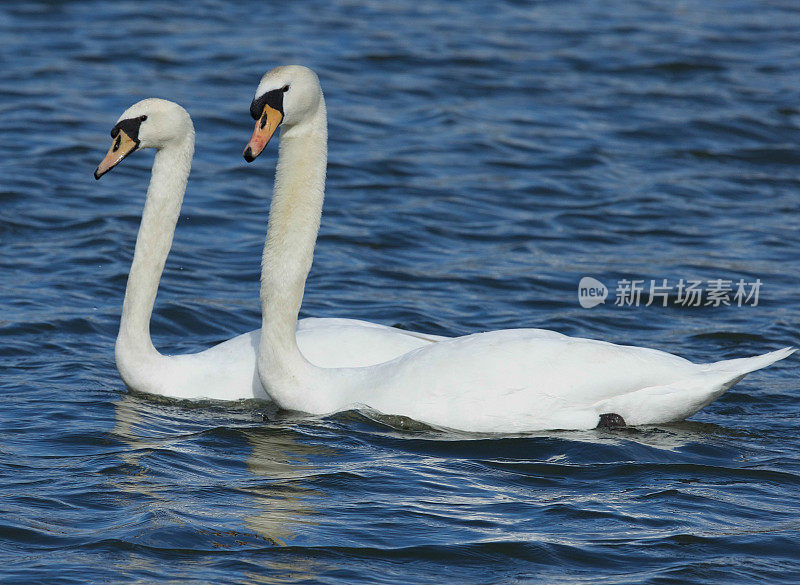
287, 96
150, 123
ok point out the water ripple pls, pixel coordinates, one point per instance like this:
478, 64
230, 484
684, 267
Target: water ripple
483, 158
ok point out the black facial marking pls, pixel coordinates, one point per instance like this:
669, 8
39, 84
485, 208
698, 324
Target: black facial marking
131, 127
273, 99
610, 420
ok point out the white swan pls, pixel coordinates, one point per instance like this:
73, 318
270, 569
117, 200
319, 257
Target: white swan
226, 371
501, 381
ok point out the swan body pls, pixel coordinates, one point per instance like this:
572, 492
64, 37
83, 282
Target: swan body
226, 371
500, 381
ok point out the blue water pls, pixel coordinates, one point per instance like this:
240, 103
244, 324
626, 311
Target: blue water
484, 156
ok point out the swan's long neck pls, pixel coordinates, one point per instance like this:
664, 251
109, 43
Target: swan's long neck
294, 218
134, 348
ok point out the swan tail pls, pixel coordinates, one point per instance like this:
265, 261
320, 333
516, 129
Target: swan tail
683, 398
742, 366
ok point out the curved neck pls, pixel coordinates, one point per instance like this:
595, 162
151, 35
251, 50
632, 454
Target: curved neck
161, 209
294, 218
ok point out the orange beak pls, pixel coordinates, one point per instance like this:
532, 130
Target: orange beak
265, 127
122, 146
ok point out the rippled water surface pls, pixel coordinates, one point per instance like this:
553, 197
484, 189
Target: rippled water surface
484, 156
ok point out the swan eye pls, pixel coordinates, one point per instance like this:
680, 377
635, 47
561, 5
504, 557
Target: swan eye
285, 88
142, 118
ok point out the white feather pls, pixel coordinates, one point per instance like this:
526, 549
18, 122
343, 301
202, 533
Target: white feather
226, 371
501, 381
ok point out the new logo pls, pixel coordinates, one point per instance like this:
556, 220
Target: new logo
591, 292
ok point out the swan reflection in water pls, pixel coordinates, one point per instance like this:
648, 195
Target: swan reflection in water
209, 478
195, 485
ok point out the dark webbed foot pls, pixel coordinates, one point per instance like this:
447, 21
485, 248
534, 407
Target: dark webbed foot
610, 420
